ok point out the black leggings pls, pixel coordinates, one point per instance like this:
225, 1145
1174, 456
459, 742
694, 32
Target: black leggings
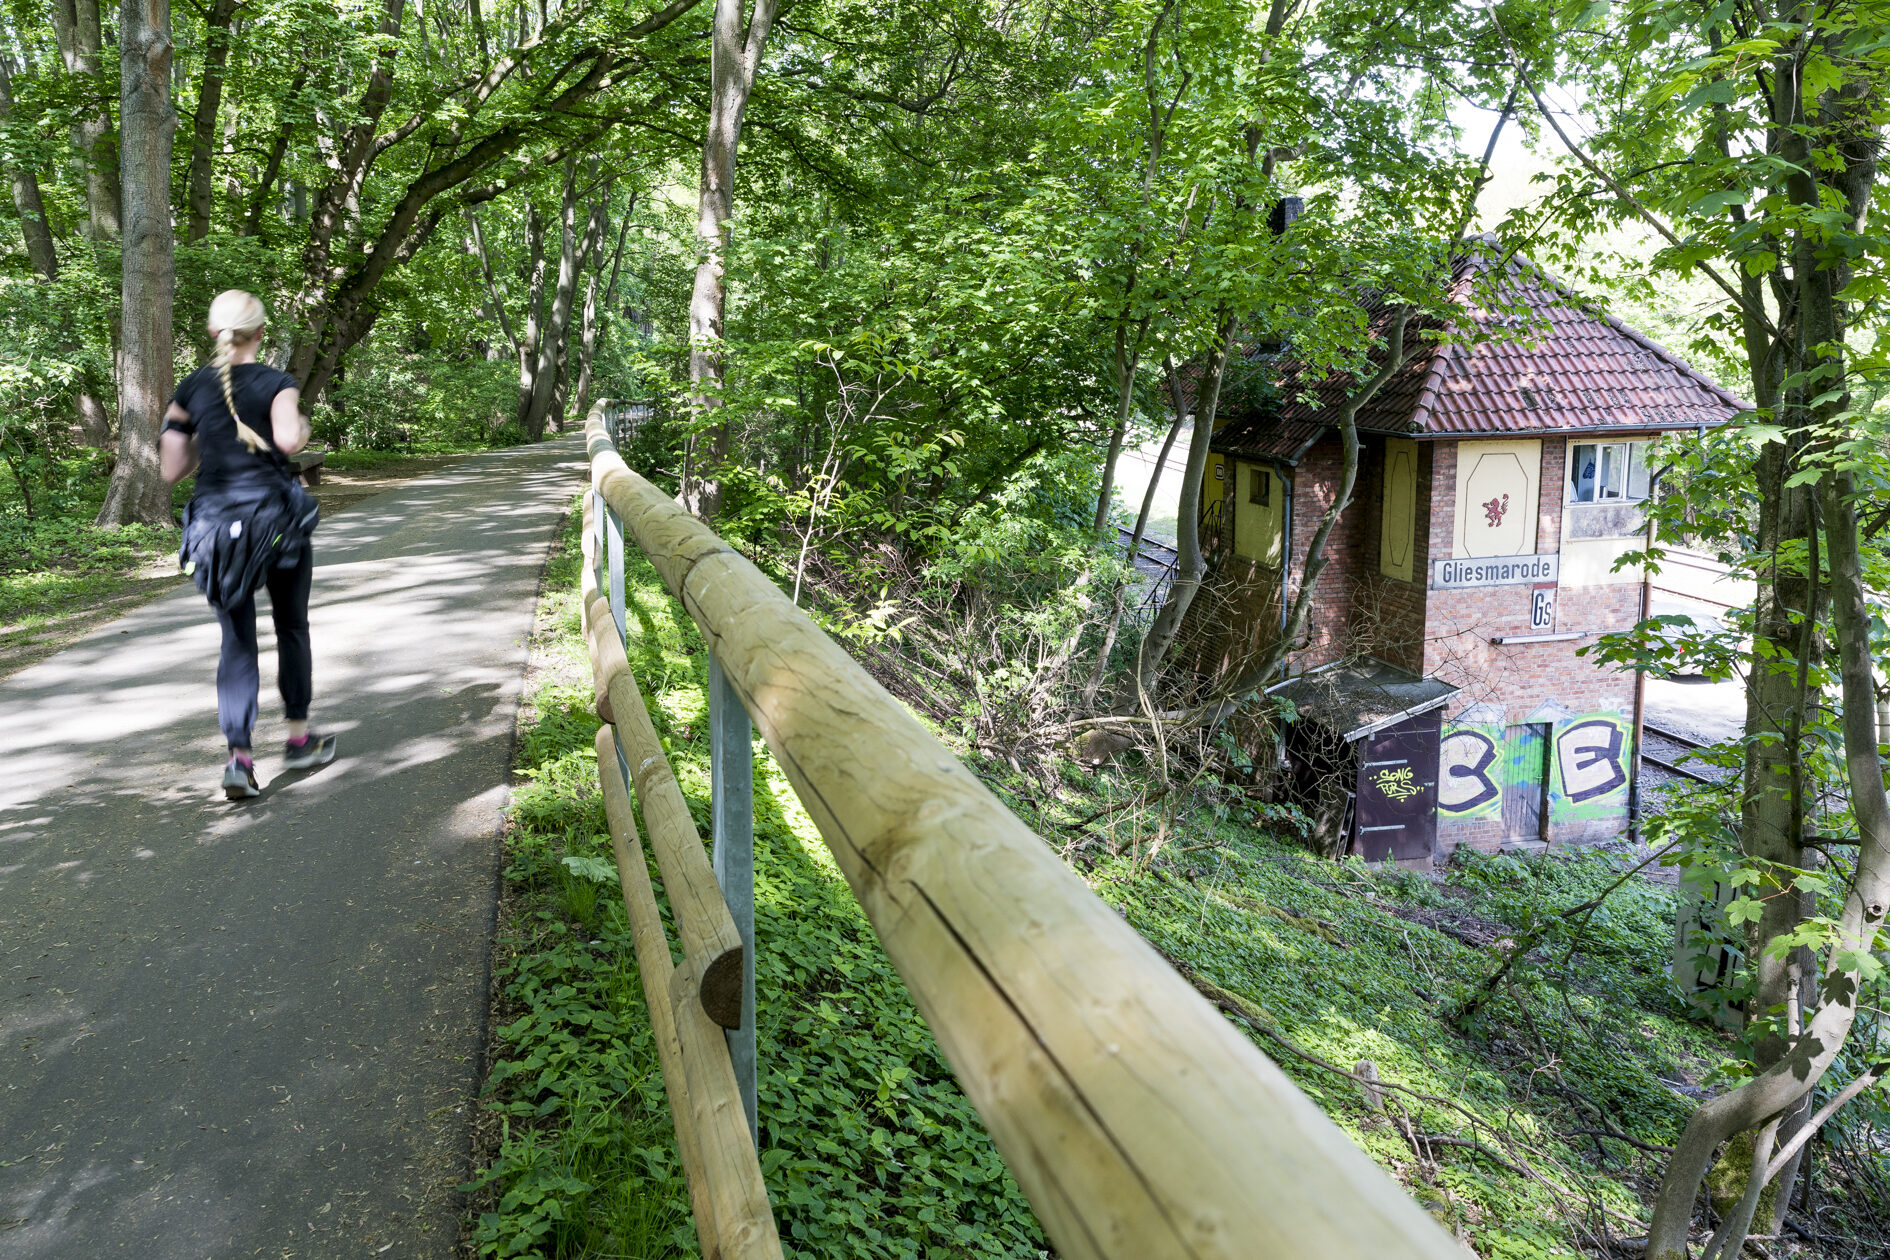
237, 679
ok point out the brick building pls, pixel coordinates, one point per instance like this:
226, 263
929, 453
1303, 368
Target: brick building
1500, 480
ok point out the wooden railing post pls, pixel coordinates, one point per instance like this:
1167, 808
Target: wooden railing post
613, 539
732, 818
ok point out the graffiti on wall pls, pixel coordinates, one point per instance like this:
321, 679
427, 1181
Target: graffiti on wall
1590, 766
1470, 771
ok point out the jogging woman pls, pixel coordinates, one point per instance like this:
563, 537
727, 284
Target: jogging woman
235, 421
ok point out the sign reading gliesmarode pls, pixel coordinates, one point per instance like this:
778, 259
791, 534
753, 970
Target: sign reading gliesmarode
1449, 575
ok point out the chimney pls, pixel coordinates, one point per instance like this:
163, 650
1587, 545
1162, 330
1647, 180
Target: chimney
1285, 210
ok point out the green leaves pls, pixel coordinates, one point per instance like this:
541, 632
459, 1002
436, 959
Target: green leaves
1714, 202
596, 869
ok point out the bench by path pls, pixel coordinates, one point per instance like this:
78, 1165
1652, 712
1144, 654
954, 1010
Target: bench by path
308, 466
253, 1030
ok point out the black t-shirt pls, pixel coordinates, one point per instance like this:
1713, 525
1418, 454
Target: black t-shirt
223, 460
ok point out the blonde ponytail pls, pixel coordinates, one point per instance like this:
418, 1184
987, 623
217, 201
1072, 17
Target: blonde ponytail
233, 315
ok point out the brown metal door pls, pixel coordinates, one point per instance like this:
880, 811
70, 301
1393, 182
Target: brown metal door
1397, 790
1526, 782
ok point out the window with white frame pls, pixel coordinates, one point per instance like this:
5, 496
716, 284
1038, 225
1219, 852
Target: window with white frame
1608, 472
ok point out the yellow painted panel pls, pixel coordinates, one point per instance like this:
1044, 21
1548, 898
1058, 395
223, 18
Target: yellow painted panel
1258, 495
1590, 562
1397, 533
1498, 488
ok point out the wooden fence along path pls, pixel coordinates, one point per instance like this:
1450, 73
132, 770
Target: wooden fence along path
1139, 1123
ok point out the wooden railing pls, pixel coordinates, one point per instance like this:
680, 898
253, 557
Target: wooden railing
1137, 1120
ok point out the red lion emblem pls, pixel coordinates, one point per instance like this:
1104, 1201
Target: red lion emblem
1493, 510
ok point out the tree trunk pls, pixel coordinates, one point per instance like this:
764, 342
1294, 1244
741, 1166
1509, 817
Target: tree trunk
1815, 333
1190, 563
587, 351
1773, 803
137, 493
81, 39
1783, 1085
587, 346
216, 51
26, 198
552, 341
476, 242
734, 57
479, 30
592, 246
534, 317
1128, 357
278, 149
551, 331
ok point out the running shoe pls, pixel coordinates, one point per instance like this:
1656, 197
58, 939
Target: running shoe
316, 750
239, 780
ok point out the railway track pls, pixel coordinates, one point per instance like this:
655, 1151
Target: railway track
1667, 749
1155, 563
1158, 552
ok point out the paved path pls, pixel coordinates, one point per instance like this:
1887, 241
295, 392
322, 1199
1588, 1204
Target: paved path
253, 1030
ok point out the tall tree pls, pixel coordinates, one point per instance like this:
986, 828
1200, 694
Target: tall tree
81, 40
42, 252
556, 326
734, 58
27, 201
587, 345
534, 321
138, 493
1746, 141
1131, 325
203, 133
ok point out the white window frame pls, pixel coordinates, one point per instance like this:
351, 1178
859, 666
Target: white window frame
1618, 473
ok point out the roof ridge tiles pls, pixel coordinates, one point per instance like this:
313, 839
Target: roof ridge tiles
1583, 369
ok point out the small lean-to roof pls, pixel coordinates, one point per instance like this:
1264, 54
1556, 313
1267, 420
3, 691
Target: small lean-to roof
1568, 369
1358, 698
1267, 439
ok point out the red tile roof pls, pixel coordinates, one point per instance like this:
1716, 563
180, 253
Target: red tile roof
1584, 371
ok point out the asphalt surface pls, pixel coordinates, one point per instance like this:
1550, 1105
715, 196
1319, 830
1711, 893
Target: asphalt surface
235, 1030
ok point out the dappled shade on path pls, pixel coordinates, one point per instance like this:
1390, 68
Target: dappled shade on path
225, 1029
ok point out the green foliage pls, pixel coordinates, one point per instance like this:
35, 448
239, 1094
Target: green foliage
868, 1147
394, 396
1349, 963
54, 561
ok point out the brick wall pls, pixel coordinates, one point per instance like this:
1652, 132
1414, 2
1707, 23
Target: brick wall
1443, 634
1514, 680
1554, 490
1315, 483
1517, 677
1387, 615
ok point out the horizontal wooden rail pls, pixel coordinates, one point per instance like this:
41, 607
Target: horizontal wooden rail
712, 947
726, 1194
1139, 1123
